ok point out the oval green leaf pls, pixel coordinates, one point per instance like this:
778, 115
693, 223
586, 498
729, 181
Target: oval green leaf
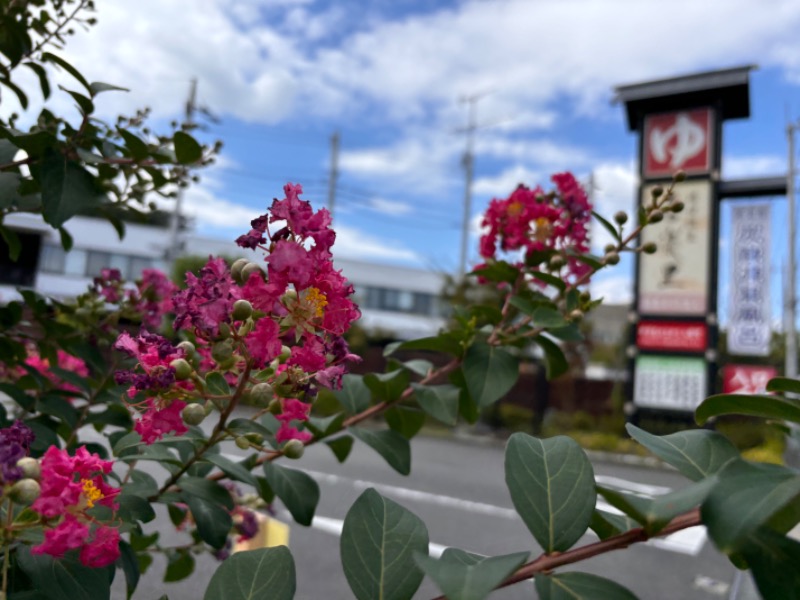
552, 487
579, 586
464, 576
439, 401
379, 539
298, 491
490, 372
253, 575
767, 407
392, 446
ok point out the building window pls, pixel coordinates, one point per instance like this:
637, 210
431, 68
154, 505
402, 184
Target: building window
53, 259
75, 263
139, 264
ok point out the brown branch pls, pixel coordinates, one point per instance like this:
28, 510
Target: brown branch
548, 562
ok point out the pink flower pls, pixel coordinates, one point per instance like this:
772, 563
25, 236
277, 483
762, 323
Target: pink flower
292, 263
66, 362
263, 342
69, 486
103, 550
286, 432
208, 299
156, 422
294, 410
155, 291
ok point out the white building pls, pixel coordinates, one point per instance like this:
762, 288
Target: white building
398, 301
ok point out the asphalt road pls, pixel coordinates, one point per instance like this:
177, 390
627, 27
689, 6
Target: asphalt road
457, 488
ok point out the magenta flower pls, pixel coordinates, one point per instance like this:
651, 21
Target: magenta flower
157, 421
208, 299
263, 342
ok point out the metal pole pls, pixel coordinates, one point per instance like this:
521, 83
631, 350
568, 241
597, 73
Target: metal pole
791, 303
174, 226
334, 171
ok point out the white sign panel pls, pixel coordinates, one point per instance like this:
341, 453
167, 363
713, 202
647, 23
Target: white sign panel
749, 331
669, 382
674, 280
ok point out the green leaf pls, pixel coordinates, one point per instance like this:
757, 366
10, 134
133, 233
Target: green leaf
464, 576
606, 524
233, 470
745, 498
321, 427
498, 270
773, 559
298, 491
12, 241
579, 586
213, 521
245, 426
341, 447
85, 105
97, 87
254, 575
405, 421
419, 366
48, 57
783, 384
541, 316
134, 508
206, 489
67, 189
379, 539
354, 396
608, 226
129, 565
180, 564
66, 239
556, 282
569, 333
217, 384
767, 407
555, 362
392, 446
445, 342
187, 149
387, 386
21, 96
65, 578
439, 401
467, 407
44, 83
135, 145
654, 513
489, 372
696, 453
552, 487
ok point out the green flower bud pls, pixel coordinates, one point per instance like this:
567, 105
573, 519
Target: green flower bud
656, 216
25, 491
193, 414
222, 351
657, 192
649, 248
30, 467
242, 310
576, 315
224, 331
677, 206
293, 449
286, 352
621, 217
236, 269
679, 176
249, 269
188, 348
275, 406
585, 297
183, 370
242, 442
261, 393
611, 258
557, 261
610, 248
254, 437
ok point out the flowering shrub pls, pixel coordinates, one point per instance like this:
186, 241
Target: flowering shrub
100, 387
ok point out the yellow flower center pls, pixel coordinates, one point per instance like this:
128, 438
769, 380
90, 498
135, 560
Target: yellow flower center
316, 301
514, 209
91, 492
544, 229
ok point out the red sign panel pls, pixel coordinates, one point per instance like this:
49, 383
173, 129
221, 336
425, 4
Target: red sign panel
673, 336
746, 379
678, 140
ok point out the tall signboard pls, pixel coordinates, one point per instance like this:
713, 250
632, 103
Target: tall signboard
679, 122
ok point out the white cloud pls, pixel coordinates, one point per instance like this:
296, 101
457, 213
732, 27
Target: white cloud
614, 289
502, 184
356, 244
390, 207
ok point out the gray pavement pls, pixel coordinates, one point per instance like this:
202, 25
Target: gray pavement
457, 488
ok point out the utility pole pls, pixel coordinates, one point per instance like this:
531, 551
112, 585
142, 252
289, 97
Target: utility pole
175, 223
468, 162
790, 369
334, 173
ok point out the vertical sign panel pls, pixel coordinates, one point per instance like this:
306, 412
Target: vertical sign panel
681, 140
675, 280
669, 382
749, 331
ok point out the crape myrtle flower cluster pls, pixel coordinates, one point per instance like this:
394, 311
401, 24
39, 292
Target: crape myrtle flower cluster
149, 300
64, 361
279, 328
61, 489
547, 228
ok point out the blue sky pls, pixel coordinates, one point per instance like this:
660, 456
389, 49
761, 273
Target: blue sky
283, 75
